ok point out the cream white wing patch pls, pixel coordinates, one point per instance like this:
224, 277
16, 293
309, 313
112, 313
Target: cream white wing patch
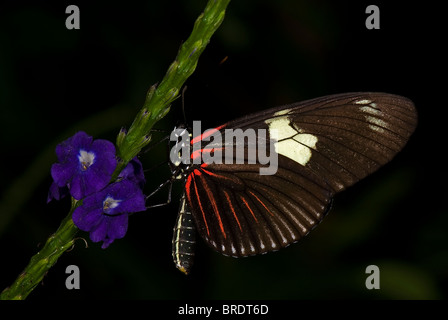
372, 115
291, 143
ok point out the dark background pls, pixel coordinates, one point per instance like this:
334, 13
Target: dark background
54, 82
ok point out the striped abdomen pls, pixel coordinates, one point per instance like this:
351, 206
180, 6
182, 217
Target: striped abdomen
184, 238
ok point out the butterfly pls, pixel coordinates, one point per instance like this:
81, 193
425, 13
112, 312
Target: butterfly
320, 146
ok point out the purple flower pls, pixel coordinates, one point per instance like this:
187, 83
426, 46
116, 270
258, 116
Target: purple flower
56, 192
134, 172
105, 213
85, 165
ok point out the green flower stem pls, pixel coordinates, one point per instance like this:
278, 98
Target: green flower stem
41, 262
158, 99
156, 106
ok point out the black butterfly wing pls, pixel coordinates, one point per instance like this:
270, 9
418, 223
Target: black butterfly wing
355, 133
324, 145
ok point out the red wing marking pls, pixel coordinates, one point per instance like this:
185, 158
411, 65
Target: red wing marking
214, 174
206, 134
187, 188
212, 201
248, 207
258, 199
233, 209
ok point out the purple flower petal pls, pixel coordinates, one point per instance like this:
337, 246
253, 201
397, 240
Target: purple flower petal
130, 195
62, 173
110, 228
134, 172
56, 192
105, 213
85, 165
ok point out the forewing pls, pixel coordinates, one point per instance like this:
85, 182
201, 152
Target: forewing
342, 138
